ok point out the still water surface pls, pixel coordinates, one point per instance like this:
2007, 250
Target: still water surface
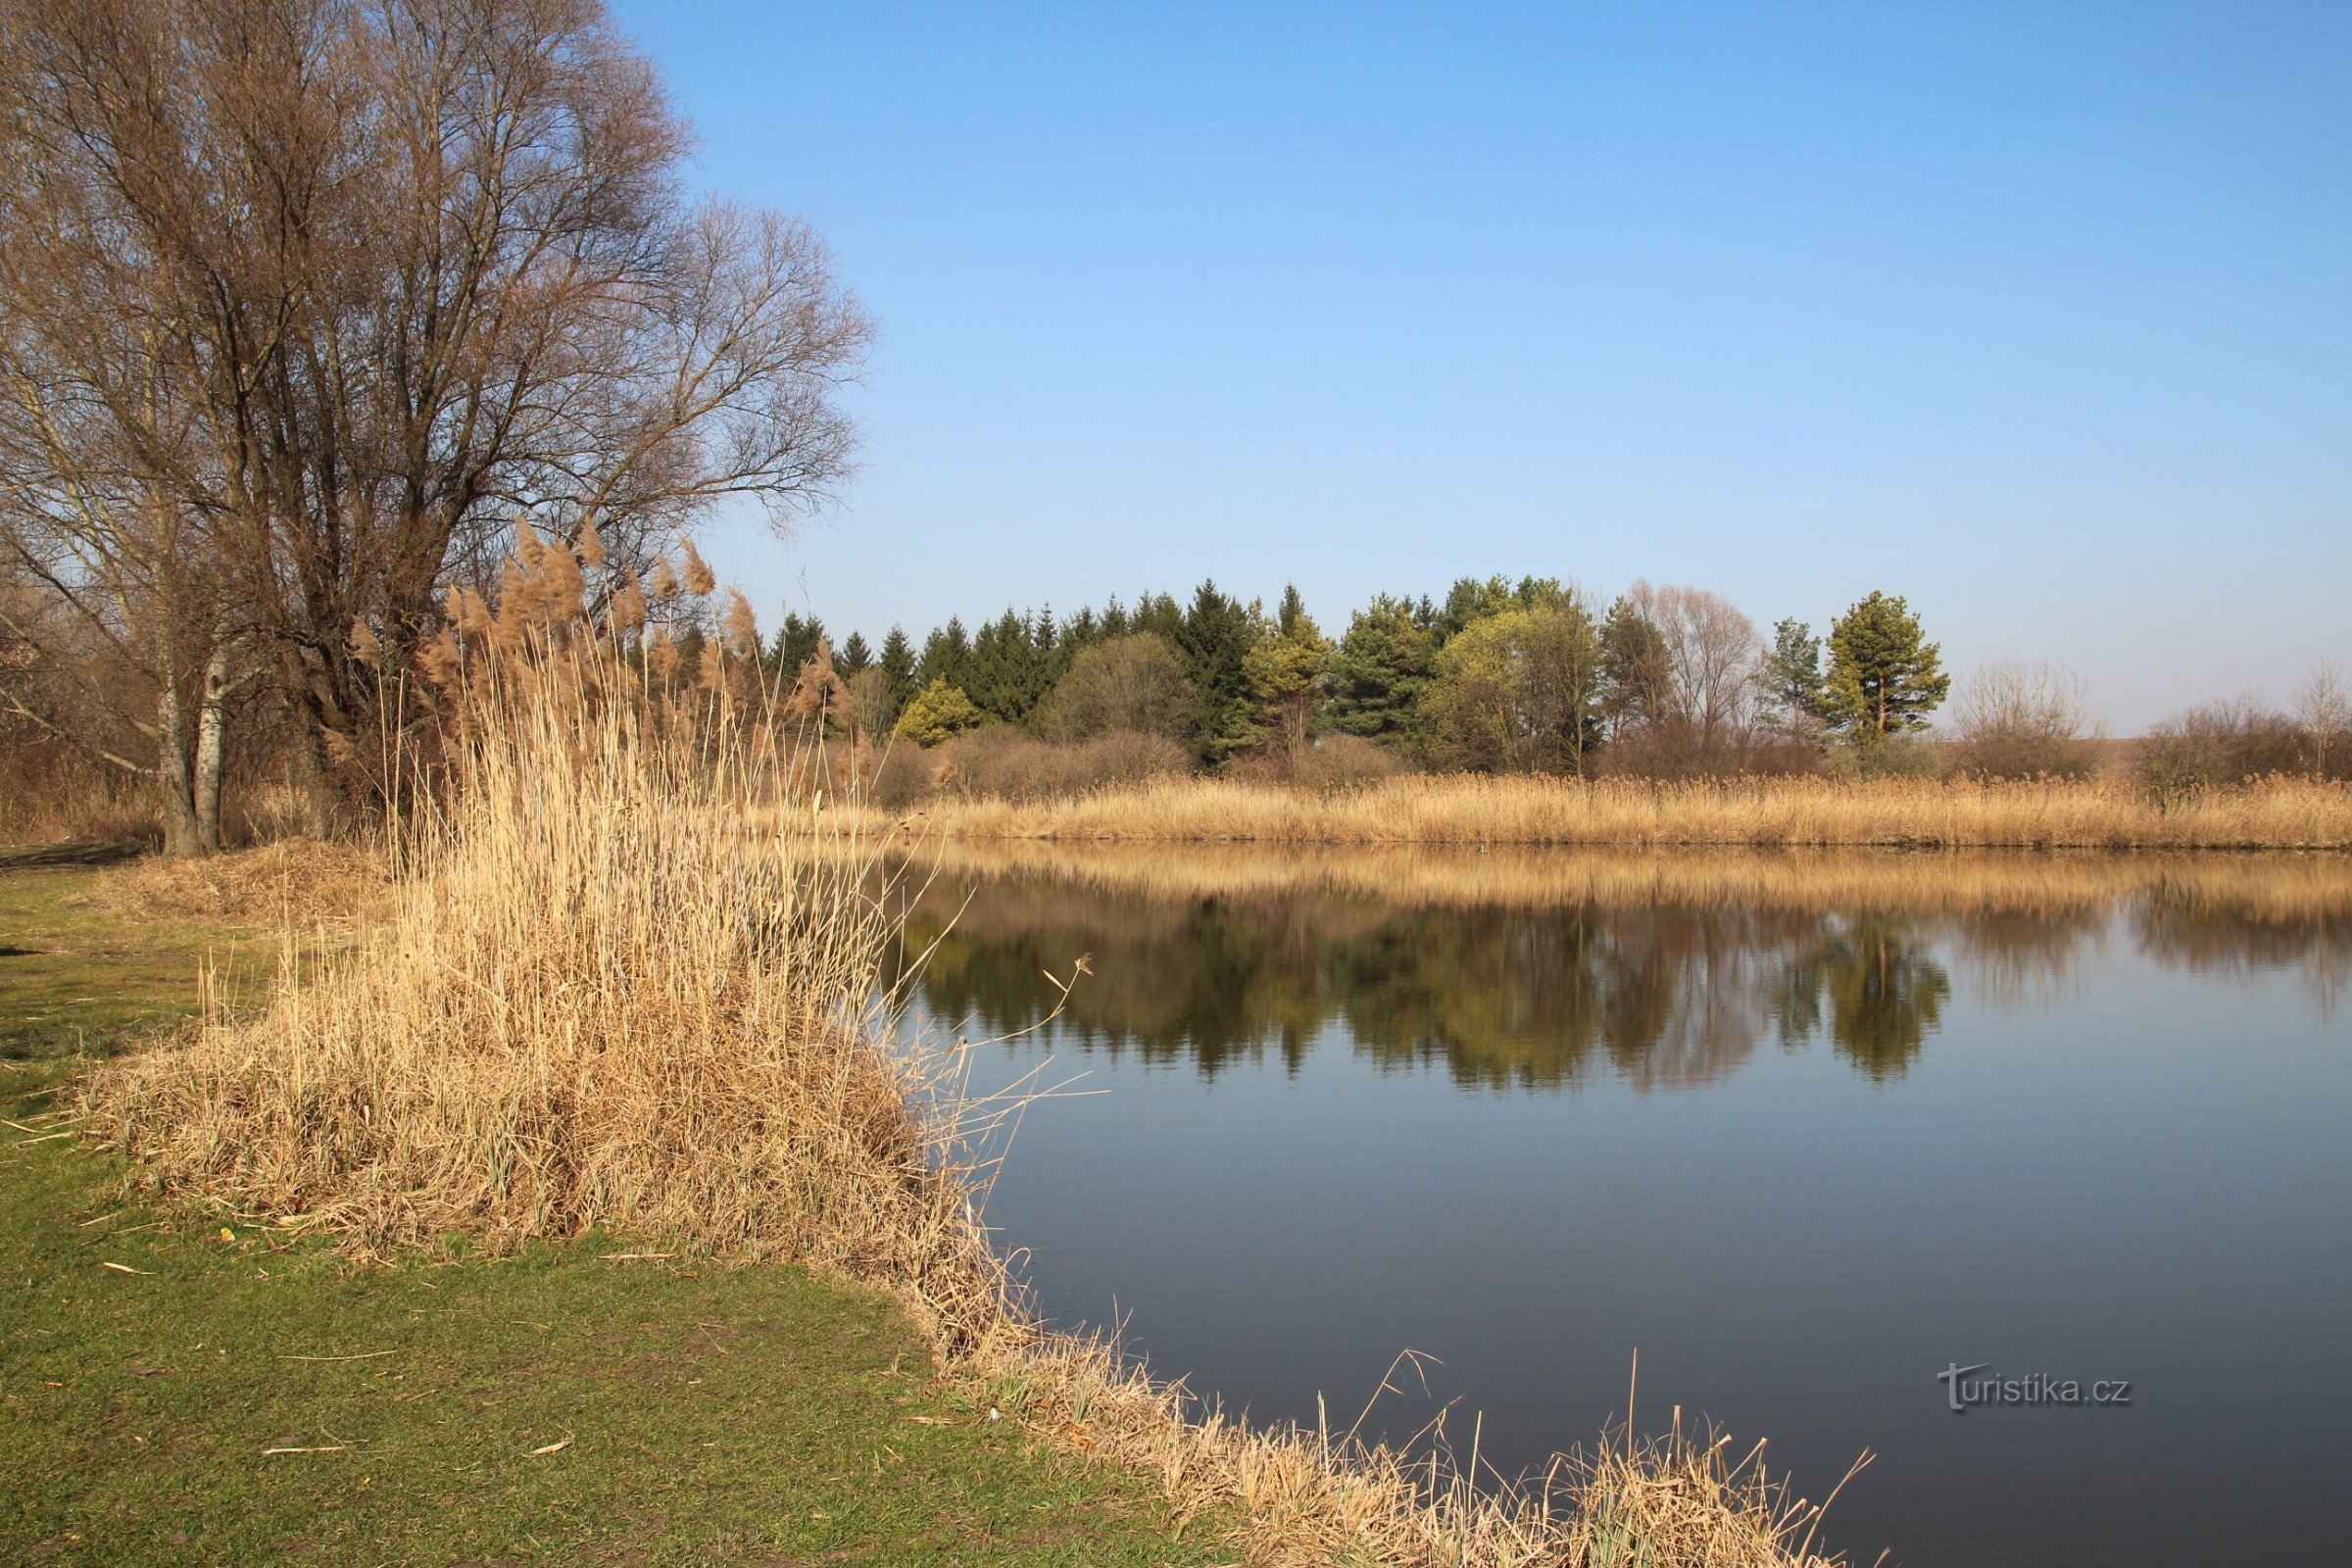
1803, 1132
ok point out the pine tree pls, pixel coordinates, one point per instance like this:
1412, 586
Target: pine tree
1884, 676
1287, 674
1381, 670
937, 712
1792, 675
1637, 679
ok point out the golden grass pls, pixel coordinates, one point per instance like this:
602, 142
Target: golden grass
291, 882
1961, 882
602, 997
1759, 814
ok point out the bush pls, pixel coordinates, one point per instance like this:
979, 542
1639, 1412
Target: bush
1676, 751
1331, 763
2018, 720
2215, 744
1000, 760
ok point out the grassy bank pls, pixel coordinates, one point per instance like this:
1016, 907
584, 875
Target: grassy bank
1763, 814
705, 1414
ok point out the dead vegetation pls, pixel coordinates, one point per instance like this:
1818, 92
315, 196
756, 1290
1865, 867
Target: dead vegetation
2276, 812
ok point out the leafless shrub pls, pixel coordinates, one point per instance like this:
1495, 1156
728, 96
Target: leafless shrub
1005, 764
2021, 721
2216, 745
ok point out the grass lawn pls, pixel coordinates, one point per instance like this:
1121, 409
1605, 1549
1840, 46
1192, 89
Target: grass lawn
555, 1406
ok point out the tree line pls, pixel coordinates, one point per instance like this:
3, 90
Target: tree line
1500, 675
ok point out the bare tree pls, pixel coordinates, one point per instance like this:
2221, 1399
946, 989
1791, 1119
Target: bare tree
2325, 713
402, 275
1714, 655
2017, 720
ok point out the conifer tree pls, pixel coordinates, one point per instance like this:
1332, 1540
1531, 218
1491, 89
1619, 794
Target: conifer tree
1792, 675
947, 655
853, 655
1381, 670
897, 666
796, 642
1637, 678
1287, 672
1884, 676
939, 710
1215, 634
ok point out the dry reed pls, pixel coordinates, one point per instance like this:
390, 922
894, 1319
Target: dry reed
2276, 887
604, 998
1760, 813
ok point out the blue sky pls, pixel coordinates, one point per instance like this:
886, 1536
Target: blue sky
2040, 314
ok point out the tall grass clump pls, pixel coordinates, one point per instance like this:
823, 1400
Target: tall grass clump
602, 1000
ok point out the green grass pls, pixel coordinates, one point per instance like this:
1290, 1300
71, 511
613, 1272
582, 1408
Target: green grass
704, 1415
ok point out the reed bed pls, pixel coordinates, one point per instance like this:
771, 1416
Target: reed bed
606, 997
2301, 886
1756, 813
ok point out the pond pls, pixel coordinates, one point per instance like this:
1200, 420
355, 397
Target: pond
1803, 1132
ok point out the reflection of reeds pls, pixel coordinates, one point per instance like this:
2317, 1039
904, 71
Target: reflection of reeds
2269, 888
1778, 812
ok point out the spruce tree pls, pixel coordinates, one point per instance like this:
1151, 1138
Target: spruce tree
947, 655
1884, 676
853, 655
898, 665
796, 642
1215, 634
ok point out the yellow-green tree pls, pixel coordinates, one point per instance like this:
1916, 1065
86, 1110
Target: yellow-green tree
1515, 691
939, 710
1287, 672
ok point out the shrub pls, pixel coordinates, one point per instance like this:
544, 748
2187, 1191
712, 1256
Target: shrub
2019, 721
1002, 761
2215, 744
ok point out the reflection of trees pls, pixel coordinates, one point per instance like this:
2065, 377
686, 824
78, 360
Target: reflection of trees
1664, 996
2179, 928
1883, 991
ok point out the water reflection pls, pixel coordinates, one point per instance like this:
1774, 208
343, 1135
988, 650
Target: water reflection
1540, 972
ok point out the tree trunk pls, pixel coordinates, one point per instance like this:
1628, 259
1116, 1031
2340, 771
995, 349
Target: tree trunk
173, 780
211, 747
